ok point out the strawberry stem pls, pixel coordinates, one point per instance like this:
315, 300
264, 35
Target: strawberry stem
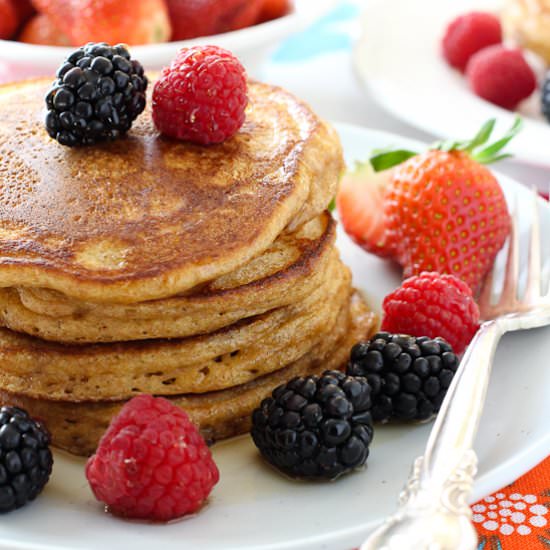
476, 147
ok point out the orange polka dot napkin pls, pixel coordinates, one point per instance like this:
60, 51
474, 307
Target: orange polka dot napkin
518, 516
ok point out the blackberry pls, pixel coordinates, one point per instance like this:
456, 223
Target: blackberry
315, 427
25, 458
545, 96
98, 93
408, 376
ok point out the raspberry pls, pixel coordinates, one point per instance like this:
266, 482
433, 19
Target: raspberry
202, 96
433, 305
152, 463
501, 75
469, 33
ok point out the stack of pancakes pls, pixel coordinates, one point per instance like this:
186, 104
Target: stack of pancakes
207, 275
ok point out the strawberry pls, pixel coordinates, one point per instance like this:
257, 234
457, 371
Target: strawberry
41, 30
242, 16
9, 19
60, 12
273, 9
449, 214
192, 18
360, 202
448, 211
442, 210
112, 21
24, 9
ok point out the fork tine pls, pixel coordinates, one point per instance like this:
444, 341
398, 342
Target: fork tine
485, 296
511, 273
546, 267
546, 279
532, 290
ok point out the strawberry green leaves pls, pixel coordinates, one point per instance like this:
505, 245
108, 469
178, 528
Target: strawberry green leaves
492, 153
383, 161
478, 147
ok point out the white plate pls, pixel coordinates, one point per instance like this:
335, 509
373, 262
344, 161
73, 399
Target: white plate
399, 59
253, 507
251, 44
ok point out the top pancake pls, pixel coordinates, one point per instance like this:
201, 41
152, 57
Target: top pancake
148, 217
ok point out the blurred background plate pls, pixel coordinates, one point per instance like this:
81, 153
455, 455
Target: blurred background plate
251, 45
399, 59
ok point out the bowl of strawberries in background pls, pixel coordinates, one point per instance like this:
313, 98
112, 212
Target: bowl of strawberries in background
36, 35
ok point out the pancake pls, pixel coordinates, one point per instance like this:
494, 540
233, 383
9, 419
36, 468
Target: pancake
228, 357
147, 217
526, 23
288, 271
77, 427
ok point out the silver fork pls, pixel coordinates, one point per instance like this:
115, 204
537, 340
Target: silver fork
433, 511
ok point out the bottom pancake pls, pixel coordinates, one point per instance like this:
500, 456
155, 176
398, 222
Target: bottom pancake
77, 427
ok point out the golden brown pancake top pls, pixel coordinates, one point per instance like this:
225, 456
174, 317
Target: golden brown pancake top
147, 217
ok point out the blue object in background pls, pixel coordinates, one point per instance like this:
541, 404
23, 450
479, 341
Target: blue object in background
325, 35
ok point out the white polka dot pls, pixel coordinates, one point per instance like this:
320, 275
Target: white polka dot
506, 529
503, 520
505, 513
493, 506
492, 515
538, 510
530, 499
478, 508
520, 505
500, 495
505, 504
478, 518
491, 525
517, 517
489, 499
515, 496
523, 530
538, 521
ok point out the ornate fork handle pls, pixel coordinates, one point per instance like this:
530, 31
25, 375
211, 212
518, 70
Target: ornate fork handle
433, 511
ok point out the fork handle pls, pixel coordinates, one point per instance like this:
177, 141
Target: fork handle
452, 436
434, 511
